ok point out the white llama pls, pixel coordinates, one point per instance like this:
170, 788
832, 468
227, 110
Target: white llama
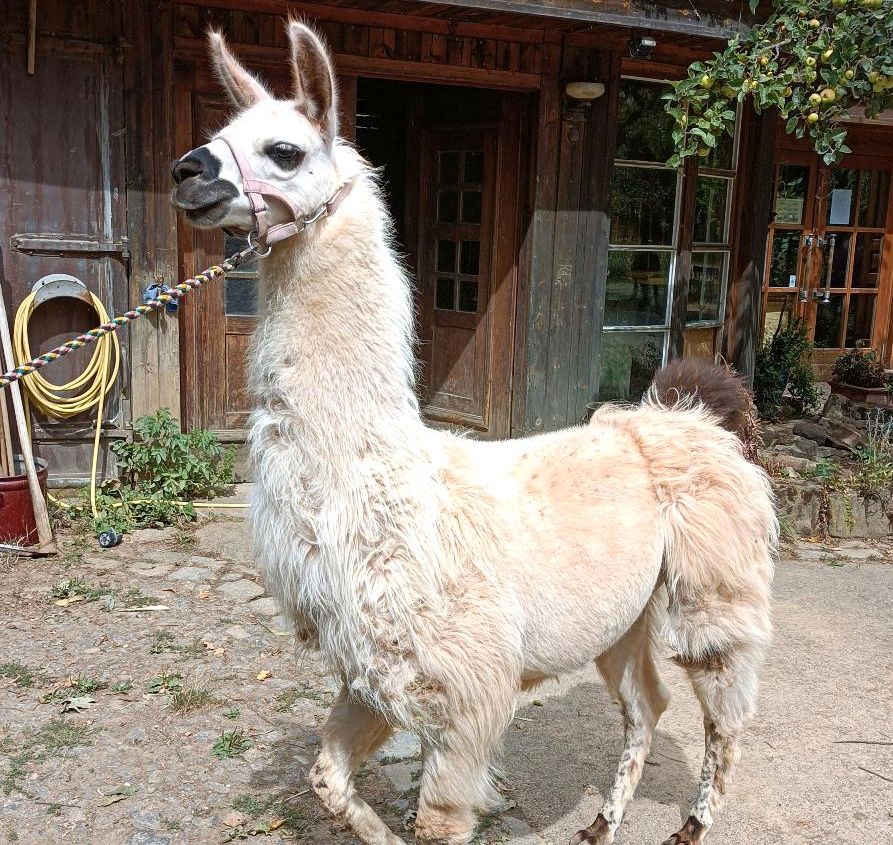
439, 576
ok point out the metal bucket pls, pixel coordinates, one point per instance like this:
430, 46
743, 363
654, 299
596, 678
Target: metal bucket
17, 524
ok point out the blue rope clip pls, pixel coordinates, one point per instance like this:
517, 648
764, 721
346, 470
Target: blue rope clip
156, 289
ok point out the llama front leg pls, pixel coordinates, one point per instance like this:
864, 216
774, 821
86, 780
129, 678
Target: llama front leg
352, 733
631, 676
726, 685
455, 781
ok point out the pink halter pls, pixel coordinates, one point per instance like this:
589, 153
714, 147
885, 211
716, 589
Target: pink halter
256, 190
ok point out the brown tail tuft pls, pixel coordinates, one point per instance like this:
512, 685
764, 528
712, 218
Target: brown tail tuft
716, 385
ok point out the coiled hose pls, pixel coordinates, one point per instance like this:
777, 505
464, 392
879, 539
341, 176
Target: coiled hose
80, 395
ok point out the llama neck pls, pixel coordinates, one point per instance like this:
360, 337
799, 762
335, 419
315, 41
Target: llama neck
332, 359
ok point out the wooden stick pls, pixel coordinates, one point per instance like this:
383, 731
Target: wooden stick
8, 459
38, 503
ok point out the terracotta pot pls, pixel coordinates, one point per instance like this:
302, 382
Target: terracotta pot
865, 395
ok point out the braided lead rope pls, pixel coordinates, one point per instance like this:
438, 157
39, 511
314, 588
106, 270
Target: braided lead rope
175, 293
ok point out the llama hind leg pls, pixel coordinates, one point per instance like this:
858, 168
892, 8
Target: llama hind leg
726, 685
631, 675
352, 733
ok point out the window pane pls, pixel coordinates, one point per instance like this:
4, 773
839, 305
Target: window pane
628, 362
471, 206
240, 296
448, 207
474, 166
445, 298
867, 263
705, 287
779, 312
791, 185
828, 317
859, 320
840, 262
471, 258
468, 296
446, 256
449, 167
710, 210
841, 200
720, 157
233, 244
644, 127
643, 204
785, 252
873, 199
636, 291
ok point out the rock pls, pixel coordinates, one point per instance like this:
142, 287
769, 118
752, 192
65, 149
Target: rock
197, 574
168, 556
403, 776
774, 434
145, 819
402, 746
264, 607
207, 562
804, 447
852, 515
242, 590
799, 506
145, 837
517, 826
811, 431
828, 452
845, 435
801, 465
153, 570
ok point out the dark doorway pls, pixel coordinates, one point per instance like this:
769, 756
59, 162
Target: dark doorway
449, 157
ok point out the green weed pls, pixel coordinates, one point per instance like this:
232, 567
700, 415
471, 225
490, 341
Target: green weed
47, 741
19, 672
231, 744
190, 699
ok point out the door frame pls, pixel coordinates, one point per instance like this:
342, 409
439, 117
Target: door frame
506, 234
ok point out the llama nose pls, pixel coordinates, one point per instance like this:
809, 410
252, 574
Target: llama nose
186, 167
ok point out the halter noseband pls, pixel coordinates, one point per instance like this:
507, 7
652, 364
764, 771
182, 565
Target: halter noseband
255, 189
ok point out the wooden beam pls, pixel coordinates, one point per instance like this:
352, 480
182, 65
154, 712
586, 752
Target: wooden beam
538, 242
370, 17
682, 274
639, 14
756, 164
148, 71
353, 65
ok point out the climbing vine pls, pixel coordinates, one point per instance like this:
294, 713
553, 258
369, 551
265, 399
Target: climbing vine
812, 61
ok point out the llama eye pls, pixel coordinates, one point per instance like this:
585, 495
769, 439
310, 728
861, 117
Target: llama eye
285, 155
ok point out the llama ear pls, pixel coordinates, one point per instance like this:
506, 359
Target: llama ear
315, 91
243, 88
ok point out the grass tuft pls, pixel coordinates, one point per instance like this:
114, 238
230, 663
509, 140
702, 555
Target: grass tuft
49, 740
190, 699
231, 744
23, 675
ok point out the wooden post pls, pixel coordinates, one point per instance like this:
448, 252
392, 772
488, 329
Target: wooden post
754, 189
41, 516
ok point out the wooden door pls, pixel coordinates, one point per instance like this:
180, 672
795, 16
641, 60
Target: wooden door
825, 261
63, 210
466, 266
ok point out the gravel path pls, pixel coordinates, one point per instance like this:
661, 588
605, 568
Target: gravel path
193, 723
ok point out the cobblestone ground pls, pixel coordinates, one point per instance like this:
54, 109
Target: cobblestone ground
149, 695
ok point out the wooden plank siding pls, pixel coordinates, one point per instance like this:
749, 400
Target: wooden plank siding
559, 230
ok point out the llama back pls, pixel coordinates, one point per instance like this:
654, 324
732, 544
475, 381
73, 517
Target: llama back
718, 524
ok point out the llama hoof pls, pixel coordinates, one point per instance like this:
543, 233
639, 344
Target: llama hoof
692, 833
598, 833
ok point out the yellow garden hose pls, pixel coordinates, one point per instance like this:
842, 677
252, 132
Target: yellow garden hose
84, 392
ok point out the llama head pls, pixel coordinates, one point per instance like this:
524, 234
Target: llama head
288, 144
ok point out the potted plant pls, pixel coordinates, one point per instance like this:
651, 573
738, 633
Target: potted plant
860, 376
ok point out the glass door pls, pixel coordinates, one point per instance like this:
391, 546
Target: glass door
825, 253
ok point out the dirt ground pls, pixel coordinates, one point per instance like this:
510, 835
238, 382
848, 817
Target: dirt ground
149, 696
